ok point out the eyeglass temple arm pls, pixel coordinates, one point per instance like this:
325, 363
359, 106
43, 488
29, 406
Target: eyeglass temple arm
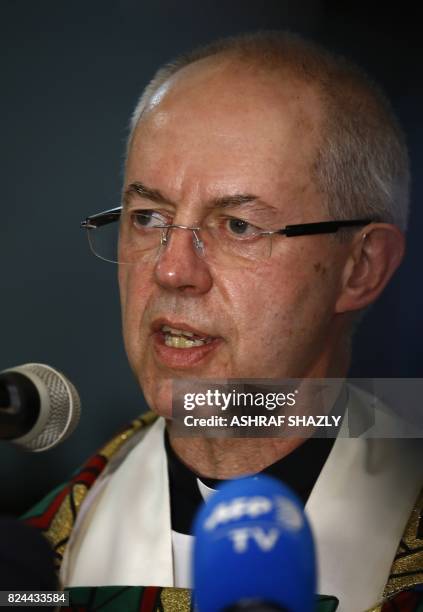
323, 227
103, 218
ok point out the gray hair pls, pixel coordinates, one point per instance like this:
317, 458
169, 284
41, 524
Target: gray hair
361, 167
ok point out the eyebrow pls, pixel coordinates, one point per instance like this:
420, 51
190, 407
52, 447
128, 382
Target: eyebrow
228, 201
154, 195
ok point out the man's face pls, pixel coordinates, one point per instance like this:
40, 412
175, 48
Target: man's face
217, 131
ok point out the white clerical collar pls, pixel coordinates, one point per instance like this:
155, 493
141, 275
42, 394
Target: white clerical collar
204, 490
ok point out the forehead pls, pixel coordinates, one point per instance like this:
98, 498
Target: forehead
221, 125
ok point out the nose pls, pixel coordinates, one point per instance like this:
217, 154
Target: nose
179, 265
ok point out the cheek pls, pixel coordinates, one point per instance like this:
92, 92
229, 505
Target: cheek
262, 303
134, 290
122, 281
279, 304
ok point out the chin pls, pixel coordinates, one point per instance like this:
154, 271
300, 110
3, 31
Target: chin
159, 400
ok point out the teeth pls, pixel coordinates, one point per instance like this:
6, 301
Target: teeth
182, 343
176, 332
182, 339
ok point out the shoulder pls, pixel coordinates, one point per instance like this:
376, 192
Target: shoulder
56, 513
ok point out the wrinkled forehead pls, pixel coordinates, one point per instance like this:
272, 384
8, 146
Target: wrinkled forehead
222, 120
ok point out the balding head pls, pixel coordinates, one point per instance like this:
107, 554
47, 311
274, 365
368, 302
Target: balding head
360, 165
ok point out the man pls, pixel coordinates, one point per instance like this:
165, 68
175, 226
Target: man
227, 146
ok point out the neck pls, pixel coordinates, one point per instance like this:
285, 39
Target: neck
228, 458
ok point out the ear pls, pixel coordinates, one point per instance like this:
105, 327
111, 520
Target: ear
375, 254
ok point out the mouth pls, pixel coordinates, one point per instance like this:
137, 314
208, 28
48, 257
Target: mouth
183, 339
180, 345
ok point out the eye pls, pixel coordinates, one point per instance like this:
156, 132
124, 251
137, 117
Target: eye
148, 219
240, 228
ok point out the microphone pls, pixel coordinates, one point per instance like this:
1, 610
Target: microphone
253, 550
39, 406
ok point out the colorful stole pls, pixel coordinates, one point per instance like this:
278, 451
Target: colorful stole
56, 514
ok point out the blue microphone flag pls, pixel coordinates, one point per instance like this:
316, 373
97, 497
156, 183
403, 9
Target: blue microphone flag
253, 542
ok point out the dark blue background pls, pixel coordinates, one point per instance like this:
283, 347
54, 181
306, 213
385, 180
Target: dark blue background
70, 75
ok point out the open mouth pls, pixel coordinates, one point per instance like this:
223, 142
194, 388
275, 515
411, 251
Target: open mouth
178, 345
183, 339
